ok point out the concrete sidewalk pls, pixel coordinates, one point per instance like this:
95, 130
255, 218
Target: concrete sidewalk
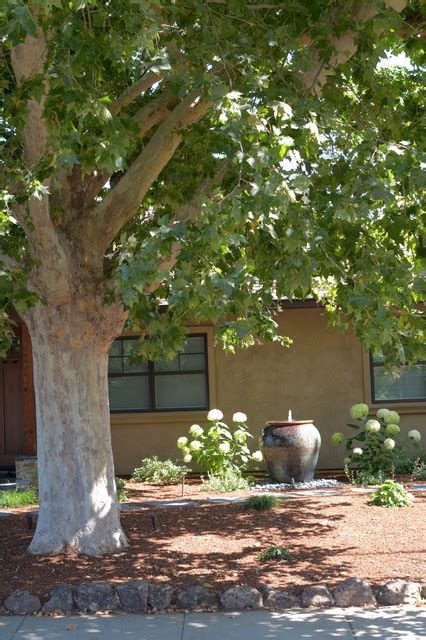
387, 624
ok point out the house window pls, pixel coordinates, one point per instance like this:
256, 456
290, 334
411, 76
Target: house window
166, 385
408, 386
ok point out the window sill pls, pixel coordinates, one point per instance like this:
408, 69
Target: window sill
159, 417
401, 407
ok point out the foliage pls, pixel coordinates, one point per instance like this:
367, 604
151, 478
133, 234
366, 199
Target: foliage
408, 457
225, 482
419, 470
363, 477
159, 471
275, 552
373, 450
121, 489
15, 498
261, 503
321, 192
391, 494
217, 447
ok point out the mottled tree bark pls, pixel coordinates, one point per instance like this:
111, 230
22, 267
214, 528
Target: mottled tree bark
78, 503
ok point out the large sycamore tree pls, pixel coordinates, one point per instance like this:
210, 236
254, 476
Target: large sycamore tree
166, 161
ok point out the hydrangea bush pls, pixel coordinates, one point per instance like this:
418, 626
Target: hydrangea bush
373, 449
218, 447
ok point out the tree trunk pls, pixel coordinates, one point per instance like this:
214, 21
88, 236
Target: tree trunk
78, 505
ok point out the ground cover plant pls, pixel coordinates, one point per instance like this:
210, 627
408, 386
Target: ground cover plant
159, 471
275, 552
261, 503
391, 494
13, 498
373, 451
226, 481
167, 162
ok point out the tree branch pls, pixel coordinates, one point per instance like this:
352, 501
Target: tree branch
28, 60
100, 227
9, 262
189, 211
345, 46
144, 83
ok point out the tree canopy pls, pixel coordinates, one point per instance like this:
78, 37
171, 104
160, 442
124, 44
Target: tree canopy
205, 160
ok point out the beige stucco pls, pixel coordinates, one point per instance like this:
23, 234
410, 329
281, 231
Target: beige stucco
320, 376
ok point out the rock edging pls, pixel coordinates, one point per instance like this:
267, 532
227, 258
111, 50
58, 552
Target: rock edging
139, 596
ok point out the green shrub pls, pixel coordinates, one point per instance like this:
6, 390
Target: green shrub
275, 553
361, 477
218, 447
159, 471
261, 503
409, 458
391, 494
121, 489
14, 498
374, 449
419, 470
225, 482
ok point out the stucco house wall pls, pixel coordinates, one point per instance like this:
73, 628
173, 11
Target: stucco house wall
320, 376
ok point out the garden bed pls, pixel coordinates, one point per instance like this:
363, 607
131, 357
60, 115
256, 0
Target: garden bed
216, 545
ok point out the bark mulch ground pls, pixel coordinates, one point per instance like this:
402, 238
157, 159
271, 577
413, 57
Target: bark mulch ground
330, 538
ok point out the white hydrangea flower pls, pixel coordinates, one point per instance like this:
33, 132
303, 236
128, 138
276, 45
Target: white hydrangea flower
224, 447
187, 458
240, 436
392, 429
257, 455
359, 411
382, 413
357, 451
389, 443
182, 442
337, 438
373, 426
195, 445
415, 435
392, 417
214, 414
196, 430
239, 417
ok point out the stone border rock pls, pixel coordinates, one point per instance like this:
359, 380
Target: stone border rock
139, 596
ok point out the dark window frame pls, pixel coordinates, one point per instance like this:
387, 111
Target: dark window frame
151, 375
375, 365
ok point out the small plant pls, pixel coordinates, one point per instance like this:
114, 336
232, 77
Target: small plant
218, 447
159, 471
226, 482
361, 477
373, 451
275, 553
419, 470
261, 503
16, 498
391, 494
120, 486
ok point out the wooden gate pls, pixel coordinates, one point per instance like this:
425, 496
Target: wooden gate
11, 407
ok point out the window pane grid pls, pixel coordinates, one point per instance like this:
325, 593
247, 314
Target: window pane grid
409, 386
172, 385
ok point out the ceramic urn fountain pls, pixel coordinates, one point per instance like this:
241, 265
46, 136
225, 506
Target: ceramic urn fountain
291, 448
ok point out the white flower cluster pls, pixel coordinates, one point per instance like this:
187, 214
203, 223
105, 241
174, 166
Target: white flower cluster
214, 415
373, 426
415, 435
359, 411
